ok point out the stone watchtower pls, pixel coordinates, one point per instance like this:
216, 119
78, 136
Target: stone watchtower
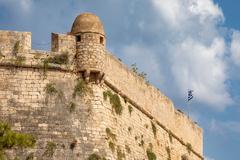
90, 46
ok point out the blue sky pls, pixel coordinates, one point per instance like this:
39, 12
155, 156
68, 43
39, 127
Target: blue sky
180, 44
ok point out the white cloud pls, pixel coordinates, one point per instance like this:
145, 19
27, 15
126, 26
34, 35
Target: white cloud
201, 68
235, 47
181, 13
205, 9
208, 158
171, 11
191, 44
23, 5
145, 57
26, 4
220, 127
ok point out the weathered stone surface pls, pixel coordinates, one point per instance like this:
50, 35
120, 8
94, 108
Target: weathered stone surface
78, 124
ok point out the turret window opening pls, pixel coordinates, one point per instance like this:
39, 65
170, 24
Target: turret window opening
79, 38
101, 40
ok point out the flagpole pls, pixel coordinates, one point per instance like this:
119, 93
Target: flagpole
188, 107
189, 98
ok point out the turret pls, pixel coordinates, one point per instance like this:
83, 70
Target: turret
90, 46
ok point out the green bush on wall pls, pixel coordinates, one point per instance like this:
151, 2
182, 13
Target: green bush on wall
10, 139
189, 148
111, 146
134, 68
128, 149
19, 60
154, 129
16, 48
95, 156
50, 89
106, 94
59, 58
30, 156
168, 153
45, 66
1, 55
81, 88
120, 154
170, 136
72, 107
50, 149
151, 155
110, 135
114, 101
130, 109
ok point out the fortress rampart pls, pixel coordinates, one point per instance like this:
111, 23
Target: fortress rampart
24, 103
153, 102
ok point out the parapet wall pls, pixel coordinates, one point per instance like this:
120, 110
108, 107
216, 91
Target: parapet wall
63, 43
152, 102
12, 40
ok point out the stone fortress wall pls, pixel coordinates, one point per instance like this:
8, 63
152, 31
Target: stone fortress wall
24, 103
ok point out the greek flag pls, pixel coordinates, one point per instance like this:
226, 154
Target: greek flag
190, 95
